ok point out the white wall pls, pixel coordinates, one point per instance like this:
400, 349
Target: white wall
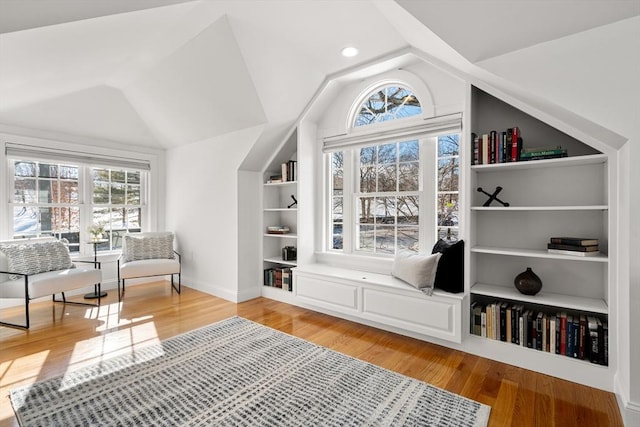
595, 74
202, 209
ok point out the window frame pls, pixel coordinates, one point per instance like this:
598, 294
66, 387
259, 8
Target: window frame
351, 164
85, 202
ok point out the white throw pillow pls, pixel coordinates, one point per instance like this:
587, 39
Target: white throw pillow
34, 258
418, 270
139, 247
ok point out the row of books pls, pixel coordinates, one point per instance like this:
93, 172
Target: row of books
576, 246
279, 277
288, 173
580, 336
507, 146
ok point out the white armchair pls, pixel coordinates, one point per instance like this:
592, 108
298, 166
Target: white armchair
148, 254
33, 268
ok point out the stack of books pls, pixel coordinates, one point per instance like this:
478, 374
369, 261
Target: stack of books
577, 246
578, 335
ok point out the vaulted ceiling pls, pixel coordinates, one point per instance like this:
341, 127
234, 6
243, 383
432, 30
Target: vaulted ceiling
164, 73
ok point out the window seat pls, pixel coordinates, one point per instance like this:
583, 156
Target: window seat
379, 298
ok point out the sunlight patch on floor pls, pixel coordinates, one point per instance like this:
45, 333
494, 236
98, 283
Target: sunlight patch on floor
23, 368
140, 333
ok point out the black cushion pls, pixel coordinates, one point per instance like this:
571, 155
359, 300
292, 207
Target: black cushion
450, 273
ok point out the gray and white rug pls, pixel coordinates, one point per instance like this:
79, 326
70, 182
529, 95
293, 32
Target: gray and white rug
240, 373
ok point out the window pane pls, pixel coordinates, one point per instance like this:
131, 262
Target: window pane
387, 177
385, 210
448, 173
118, 176
25, 191
408, 238
408, 212
117, 194
100, 192
101, 216
367, 156
132, 220
133, 177
100, 175
449, 145
47, 171
387, 154
409, 177
25, 220
409, 151
367, 179
448, 233
133, 194
46, 220
365, 210
45, 191
69, 192
27, 169
387, 103
448, 210
337, 172
385, 239
365, 238
69, 172
337, 208
337, 236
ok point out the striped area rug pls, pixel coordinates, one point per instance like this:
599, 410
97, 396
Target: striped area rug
240, 373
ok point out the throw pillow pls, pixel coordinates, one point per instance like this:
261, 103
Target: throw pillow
148, 247
33, 258
416, 269
450, 274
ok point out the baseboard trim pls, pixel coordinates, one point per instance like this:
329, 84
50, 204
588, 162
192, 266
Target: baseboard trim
629, 410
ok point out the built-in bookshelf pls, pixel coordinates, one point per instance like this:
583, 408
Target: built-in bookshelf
567, 195
280, 217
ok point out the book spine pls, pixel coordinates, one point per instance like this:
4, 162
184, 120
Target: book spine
485, 149
493, 141
476, 148
515, 142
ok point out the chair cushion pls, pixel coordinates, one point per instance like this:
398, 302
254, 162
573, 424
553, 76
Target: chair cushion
149, 267
141, 246
36, 257
51, 282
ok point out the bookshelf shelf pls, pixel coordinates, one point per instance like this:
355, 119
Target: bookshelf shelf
281, 209
590, 159
540, 208
281, 236
570, 302
281, 184
276, 260
536, 253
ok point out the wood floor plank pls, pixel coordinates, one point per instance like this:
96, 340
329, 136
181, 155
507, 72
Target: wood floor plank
66, 337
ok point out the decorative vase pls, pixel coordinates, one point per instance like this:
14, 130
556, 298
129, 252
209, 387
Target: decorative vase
528, 282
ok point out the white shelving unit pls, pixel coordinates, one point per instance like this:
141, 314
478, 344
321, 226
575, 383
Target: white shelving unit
567, 196
279, 209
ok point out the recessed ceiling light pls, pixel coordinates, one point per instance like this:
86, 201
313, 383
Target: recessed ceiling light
349, 51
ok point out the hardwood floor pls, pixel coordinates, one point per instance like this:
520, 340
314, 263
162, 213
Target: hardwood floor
66, 337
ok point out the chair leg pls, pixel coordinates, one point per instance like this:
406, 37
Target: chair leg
179, 288
26, 316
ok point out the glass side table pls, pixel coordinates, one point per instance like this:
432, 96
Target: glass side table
94, 294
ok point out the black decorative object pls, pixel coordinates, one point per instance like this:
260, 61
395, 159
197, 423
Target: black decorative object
493, 196
528, 282
295, 202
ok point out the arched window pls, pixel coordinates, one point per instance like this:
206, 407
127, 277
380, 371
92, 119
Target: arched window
393, 187
387, 103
